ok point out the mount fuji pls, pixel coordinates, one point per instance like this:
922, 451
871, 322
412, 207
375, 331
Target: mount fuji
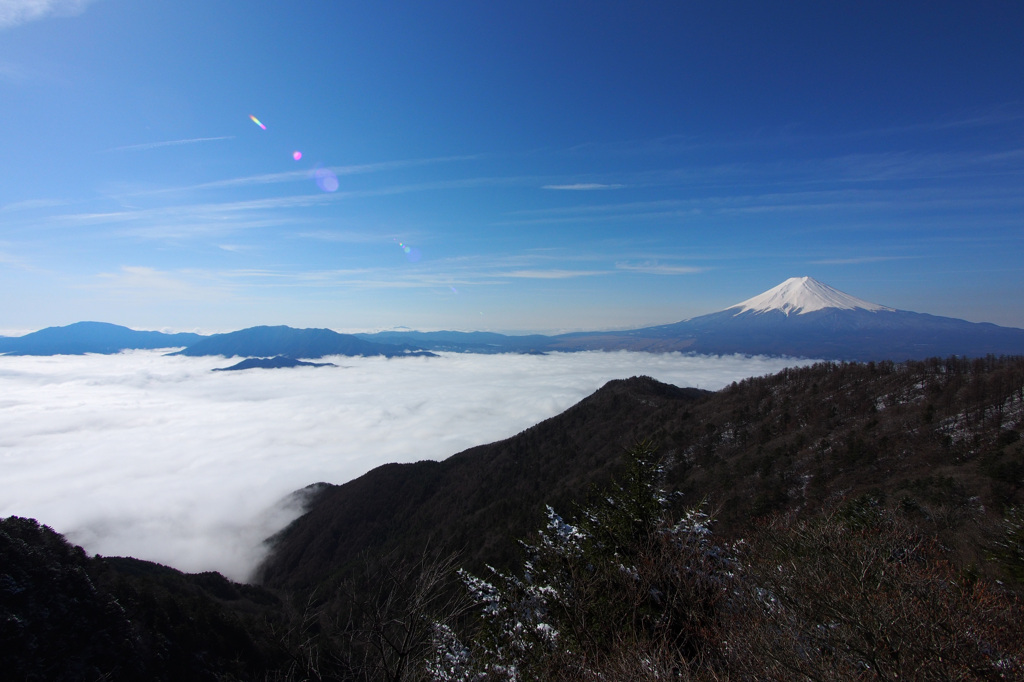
802, 295
803, 317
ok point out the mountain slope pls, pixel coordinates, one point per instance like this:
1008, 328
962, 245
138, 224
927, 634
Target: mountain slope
941, 436
479, 499
90, 337
292, 343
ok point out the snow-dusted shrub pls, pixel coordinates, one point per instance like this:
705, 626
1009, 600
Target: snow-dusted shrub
624, 574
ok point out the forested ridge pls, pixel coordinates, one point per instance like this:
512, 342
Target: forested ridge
838, 521
941, 437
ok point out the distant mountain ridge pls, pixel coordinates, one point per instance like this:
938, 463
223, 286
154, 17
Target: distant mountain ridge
91, 337
800, 317
465, 342
292, 343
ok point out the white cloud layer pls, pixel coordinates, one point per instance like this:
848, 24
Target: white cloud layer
157, 457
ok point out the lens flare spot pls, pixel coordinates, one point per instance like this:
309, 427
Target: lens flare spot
326, 180
257, 122
296, 155
412, 254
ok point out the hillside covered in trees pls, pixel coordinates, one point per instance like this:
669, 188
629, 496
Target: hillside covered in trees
938, 437
839, 521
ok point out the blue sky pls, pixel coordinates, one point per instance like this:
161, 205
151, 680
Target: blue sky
510, 166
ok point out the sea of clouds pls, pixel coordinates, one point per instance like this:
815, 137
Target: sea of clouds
154, 456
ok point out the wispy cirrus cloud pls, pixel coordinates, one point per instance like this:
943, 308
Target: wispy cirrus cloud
30, 204
551, 274
17, 12
194, 219
794, 137
860, 260
352, 169
583, 186
655, 268
340, 236
212, 217
840, 191
153, 285
169, 143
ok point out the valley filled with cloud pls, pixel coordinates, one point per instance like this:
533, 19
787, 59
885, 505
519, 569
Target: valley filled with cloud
157, 457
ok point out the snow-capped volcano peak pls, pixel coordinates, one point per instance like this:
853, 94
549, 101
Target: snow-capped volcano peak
803, 295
